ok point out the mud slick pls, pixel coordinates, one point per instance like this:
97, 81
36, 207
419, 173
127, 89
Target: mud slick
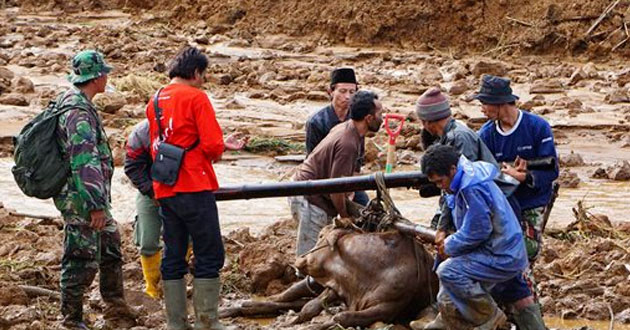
497, 26
583, 272
31, 255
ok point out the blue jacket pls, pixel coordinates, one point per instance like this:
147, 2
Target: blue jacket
469, 144
487, 228
530, 138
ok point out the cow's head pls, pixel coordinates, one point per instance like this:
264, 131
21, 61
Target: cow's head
313, 262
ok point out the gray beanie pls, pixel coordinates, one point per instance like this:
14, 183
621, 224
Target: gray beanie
433, 105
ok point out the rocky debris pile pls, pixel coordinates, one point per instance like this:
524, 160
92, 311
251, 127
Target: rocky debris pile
541, 26
568, 179
15, 90
109, 102
585, 269
261, 264
30, 259
620, 171
573, 159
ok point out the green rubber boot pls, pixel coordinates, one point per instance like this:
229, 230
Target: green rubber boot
175, 301
206, 302
529, 318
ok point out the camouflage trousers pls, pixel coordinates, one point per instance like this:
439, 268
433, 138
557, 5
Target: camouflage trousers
87, 251
531, 223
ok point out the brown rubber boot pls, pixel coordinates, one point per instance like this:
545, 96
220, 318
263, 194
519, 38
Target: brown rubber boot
497, 320
119, 313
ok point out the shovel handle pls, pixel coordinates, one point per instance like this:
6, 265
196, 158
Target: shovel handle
393, 134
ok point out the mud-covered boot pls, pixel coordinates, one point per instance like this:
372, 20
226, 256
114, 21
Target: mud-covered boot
119, 314
72, 312
175, 301
206, 303
74, 325
529, 318
436, 324
497, 319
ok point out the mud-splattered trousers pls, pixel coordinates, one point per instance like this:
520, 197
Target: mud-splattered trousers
82, 139
487, 248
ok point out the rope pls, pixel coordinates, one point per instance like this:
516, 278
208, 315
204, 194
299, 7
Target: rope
392, 214
316, 248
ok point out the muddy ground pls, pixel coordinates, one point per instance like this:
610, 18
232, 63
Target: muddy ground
266, 78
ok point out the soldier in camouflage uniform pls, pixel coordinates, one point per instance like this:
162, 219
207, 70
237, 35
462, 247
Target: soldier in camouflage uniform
92, 239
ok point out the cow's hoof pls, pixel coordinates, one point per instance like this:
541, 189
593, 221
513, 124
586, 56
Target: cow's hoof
292, 321
436, 324
417, 325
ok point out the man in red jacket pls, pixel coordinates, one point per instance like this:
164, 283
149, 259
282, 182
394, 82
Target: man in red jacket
188, 208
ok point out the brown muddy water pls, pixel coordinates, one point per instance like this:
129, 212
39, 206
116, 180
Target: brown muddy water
604, 197
557, 323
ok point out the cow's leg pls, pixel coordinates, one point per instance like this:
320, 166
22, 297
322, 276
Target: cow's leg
261, 308
315, 306
367, 316
301, 289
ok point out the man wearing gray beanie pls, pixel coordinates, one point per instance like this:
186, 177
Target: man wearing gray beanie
434, 111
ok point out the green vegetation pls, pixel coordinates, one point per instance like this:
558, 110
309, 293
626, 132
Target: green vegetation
273, 145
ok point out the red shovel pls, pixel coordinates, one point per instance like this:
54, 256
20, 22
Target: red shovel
391, 148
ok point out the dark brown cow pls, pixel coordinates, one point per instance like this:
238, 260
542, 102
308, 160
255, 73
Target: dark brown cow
379, 276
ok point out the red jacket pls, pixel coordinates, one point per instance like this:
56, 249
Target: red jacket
187, 115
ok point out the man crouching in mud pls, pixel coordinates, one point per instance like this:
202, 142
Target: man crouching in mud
487, 247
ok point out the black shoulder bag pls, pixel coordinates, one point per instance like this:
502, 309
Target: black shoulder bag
168, 160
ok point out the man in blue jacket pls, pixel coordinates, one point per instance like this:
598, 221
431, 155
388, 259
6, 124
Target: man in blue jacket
515, 136
487, 247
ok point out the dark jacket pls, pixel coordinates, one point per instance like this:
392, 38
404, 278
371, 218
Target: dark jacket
320, 124
138, 159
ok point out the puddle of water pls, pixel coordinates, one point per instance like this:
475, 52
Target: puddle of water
557, 323
604, 197
55, 81
10, 128
256, 214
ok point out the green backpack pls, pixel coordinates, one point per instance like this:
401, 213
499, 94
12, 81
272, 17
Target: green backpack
41, 169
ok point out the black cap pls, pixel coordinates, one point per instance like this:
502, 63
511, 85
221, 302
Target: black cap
495, 90
343, 75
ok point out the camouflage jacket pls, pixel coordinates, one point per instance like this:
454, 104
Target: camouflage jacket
83, 140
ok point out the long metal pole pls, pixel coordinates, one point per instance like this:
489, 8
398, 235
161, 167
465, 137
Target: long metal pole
313, 187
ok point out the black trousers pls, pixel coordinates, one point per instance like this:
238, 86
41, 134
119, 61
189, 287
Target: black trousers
195, 215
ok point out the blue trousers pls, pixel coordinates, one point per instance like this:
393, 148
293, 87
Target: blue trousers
512, 291
194, 215
361, 197
466, 281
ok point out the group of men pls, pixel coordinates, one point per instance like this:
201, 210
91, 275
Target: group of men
483, 242
181, 211
487, 241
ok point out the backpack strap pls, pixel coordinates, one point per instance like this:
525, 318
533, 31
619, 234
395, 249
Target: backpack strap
158, 115
58, 108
